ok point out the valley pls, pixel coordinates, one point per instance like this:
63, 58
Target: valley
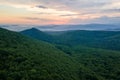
73, 55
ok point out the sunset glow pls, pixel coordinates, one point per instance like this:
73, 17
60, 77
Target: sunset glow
44, 12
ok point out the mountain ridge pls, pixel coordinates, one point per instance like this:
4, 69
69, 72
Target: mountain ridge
94, 27
98, 39
23, 57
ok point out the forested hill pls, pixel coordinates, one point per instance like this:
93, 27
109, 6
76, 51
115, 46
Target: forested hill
97, 39
23, 58
26, 58
37, 34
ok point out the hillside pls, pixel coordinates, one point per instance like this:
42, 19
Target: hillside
100, 62
98, 39
37, 34
105, 63
23, 58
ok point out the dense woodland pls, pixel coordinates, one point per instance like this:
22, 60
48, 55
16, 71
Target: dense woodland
97, 39
71, 55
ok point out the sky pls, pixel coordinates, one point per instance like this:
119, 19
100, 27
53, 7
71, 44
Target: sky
47, 12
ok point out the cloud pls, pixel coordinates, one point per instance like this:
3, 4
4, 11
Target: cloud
45, 21
70, 14
99, 20
69, 5
39, 19
40, 6
68, 10
112, 10
105, 20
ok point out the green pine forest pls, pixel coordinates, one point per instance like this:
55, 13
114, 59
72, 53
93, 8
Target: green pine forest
65, 55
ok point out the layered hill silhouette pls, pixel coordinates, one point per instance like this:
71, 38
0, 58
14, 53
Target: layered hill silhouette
97, 39
23, 58
27, 56
77, 45
37, 34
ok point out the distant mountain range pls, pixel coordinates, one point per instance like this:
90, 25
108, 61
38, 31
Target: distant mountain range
100, 27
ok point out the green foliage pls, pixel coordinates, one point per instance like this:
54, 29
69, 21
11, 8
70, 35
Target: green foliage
35, 33
23, 58
104, 63
97, 39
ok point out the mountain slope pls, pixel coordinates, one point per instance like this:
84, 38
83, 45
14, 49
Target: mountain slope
105, 63
37, 34
23, 58
97, 39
